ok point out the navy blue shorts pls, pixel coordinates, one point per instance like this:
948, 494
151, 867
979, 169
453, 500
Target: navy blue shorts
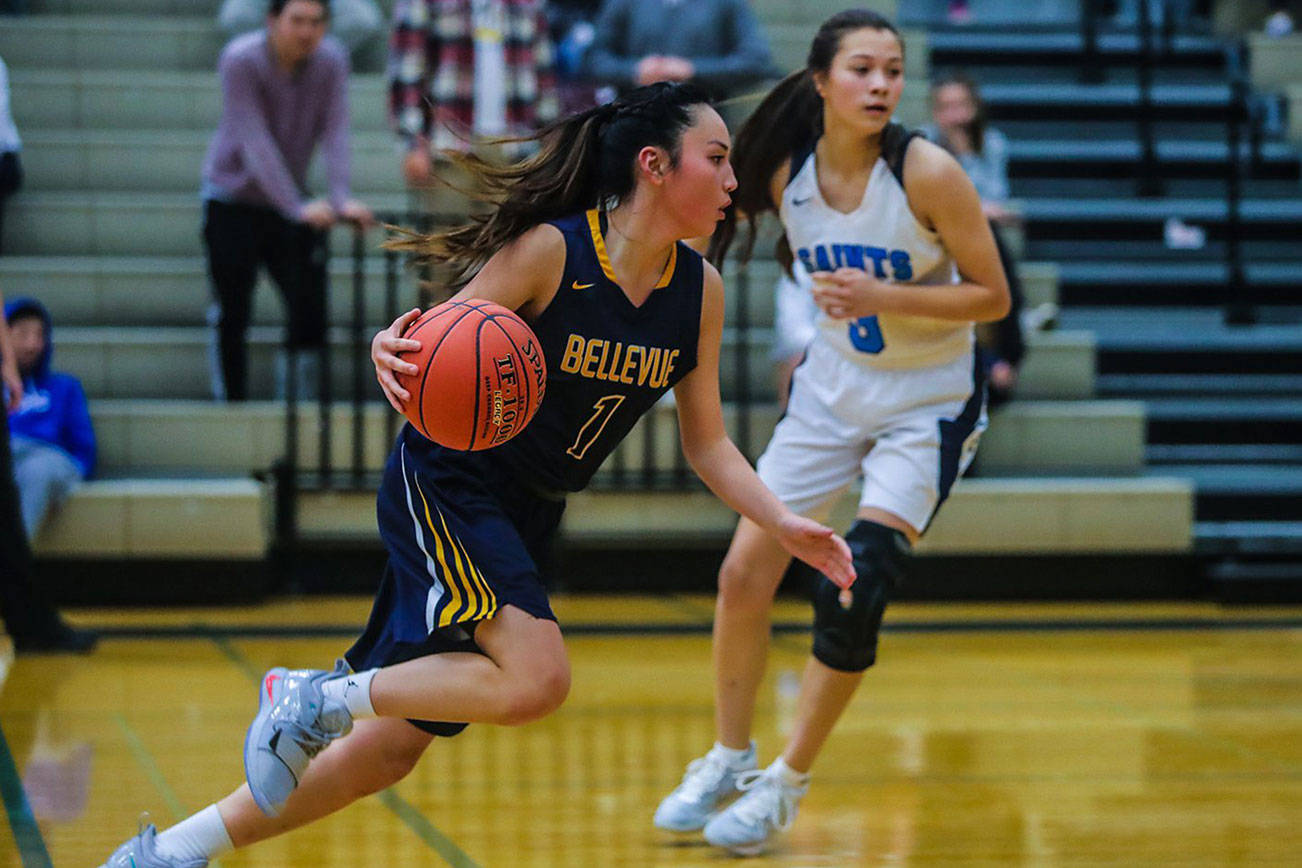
466, 536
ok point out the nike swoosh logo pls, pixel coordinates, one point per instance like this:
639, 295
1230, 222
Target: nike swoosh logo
577, 285
271, 680
798, 202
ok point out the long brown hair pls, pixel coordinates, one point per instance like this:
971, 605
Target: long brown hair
788, 121
976, 128
585, 161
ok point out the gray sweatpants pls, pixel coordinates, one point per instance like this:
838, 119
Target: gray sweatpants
45, 475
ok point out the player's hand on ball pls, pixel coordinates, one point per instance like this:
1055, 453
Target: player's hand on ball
818, 546
847, 293
385, 347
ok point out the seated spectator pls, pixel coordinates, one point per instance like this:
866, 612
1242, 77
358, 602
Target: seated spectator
352, 22
959, 126
50, 434
29, 615
719, 44
11, 169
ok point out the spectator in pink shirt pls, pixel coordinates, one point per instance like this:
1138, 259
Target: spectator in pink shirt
284, 90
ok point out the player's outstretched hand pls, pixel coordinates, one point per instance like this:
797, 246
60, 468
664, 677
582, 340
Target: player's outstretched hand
818, 546
385, 347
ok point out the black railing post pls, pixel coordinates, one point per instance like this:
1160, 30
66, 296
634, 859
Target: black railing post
1238, 307
359, 347
285, 473
742, 332
1091, 69
390, 314
1147, 183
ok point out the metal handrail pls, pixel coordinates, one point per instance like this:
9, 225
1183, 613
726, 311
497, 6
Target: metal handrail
292, 478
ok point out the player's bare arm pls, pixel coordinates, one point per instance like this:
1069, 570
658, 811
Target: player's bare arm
943, 198
522, 276
723, 468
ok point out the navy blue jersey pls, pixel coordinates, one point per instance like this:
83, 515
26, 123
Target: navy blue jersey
608, 361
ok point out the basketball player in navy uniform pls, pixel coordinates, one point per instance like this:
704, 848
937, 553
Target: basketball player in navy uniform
585, 245
902, 263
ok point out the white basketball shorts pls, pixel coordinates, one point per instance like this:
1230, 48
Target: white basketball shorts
910, 433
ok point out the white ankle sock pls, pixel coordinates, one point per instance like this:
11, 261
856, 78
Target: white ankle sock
789, 776
199, 836
731, 754
354, 691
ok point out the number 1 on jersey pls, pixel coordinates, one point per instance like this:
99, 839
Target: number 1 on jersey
591, 430
866, 335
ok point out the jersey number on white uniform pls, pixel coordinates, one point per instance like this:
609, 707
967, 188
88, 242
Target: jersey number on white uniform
866, 335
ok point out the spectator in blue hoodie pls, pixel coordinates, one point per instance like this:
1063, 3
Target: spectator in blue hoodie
28, 613
50, 434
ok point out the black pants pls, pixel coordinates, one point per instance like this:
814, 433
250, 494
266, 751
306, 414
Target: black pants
238, 239
11, 178
28, 613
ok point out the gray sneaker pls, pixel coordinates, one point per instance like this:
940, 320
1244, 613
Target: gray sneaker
707, 782
294, 723
767, 807
139, 852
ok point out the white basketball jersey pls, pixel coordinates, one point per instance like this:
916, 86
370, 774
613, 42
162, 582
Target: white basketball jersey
883, 237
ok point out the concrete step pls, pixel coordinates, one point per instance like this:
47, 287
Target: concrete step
1065, 515
185, 8
1064, 437
111, 42
120, 224
1058, 365
220, 519
173, 290
175, 362
170, 161
91, 291
125, 362
151, 99
153, 437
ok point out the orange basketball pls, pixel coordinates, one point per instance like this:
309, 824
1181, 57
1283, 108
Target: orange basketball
481, 378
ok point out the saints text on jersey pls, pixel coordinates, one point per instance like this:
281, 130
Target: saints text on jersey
830, 257
614, 362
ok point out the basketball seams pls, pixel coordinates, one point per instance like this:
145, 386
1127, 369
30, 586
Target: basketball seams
513, 342
429, 362
479, 362
515, 336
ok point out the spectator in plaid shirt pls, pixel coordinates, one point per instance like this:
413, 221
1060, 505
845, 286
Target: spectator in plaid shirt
461, 69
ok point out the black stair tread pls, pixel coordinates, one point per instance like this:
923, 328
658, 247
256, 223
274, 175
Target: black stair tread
1115, 209
1177, 273
1272, 480
1146, 385
1222, 453
1178, 329
1129, 148
1031, 129
1259, 529
1228, 408
1005, 42
1255, 571
1071, 94
1116, 252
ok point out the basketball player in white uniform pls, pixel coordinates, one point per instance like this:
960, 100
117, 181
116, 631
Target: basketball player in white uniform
902, 262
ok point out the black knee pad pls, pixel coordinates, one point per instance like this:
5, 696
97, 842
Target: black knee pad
846, 638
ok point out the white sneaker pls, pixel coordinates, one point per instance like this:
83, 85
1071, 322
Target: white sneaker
767, 806
708, 781
140, 852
